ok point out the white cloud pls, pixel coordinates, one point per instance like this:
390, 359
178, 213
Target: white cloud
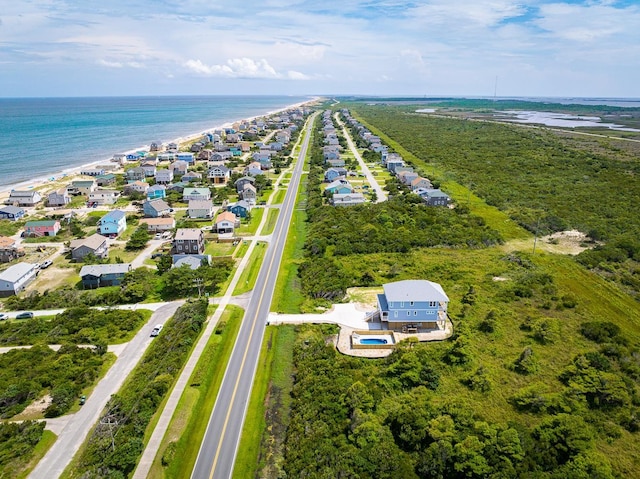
242, 68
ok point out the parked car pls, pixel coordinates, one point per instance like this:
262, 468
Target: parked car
24, 315
156, 330
83, 399
46, 264
3, 317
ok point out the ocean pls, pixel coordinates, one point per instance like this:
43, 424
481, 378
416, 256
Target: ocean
45, 136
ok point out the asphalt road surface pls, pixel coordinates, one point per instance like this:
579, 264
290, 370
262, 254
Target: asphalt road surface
219, 447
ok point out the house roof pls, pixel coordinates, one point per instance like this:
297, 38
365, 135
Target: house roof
241, 204
92, 242
250, 179
200, 204
22, 193
414, 290
418, 180
196, 191
157, 188
158, 221
12, 210
435, 194
226, 216
193, 260
191, 174
188, 234
116, 215
6, 242
348, 197
15, 272
82, 183
340, 181
249, 186
41, 223
100, 269
158, 204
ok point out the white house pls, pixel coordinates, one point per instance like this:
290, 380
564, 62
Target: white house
104, 197
15, 278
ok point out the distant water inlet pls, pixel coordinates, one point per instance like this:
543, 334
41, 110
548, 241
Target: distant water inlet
560, 120
372, 340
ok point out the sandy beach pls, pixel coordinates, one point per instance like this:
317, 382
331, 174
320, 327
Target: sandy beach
45, 184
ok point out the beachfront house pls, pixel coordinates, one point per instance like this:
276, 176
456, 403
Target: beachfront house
200, 209
188, 241
412, 305
16, 278
82, 187
33, 229
113, 223
156, 192
99, 275
172, 146
226, 222
24, 198
164, 177
95, 244
104, 197
156, 208
92, 171
58, 198
149, 168
11, 213
159, 225
189, 194
155, 146
9, 249
219, 174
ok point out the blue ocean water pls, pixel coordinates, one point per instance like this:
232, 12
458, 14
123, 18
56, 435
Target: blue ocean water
44, 136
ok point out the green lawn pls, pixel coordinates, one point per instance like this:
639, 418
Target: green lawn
178, 450
248, 277
272, 219
219, 249
251, 227
271, 387
279, 196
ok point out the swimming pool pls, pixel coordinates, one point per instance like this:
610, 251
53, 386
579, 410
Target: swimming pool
373, 341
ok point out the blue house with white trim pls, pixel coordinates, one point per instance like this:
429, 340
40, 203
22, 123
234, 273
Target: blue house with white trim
413, 305
113, 223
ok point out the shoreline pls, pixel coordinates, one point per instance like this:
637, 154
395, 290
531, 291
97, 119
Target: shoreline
68, 174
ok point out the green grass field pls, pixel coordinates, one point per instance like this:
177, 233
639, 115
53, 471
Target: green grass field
272, 219
248, 277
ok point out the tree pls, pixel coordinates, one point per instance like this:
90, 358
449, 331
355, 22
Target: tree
138, 239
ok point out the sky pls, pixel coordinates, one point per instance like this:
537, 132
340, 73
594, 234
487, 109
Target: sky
535, 48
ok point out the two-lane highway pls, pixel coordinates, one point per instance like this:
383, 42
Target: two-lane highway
219, 447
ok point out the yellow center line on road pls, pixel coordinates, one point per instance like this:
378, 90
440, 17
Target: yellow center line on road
246, 351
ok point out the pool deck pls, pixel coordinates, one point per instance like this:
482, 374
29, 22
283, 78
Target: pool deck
350, 317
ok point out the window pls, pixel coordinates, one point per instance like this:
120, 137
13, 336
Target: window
408, 313
415, 313
402, 304
433, 304
411, 303
395, 314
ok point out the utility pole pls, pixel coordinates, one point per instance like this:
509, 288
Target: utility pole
535, 237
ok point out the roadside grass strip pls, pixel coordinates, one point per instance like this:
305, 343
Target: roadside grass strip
259, 446
177, 456
272, 219
248, 277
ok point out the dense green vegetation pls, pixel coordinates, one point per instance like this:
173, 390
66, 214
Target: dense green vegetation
17, 443
27, 374
393, 418
79, 325
400, 224
116, 443
541, 180
142, 284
